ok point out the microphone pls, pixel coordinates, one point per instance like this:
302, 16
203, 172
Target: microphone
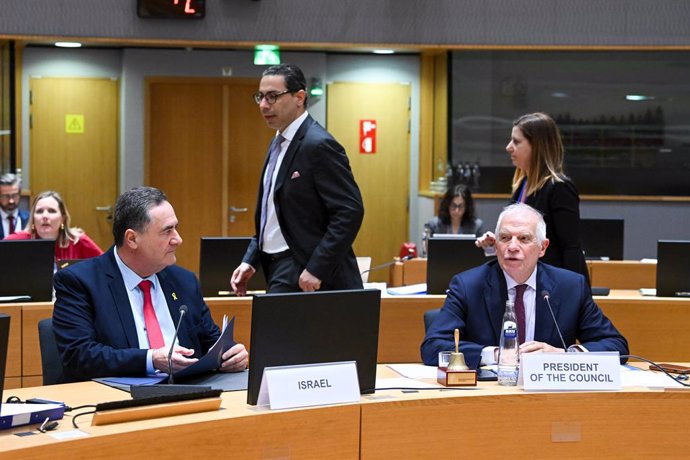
388, 264
183, 310
545, 295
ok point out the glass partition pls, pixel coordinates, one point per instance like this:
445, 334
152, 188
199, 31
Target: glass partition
624, 116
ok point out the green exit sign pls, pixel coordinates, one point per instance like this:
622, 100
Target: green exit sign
266, 55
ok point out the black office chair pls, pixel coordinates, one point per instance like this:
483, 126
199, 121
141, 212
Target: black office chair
51, 362
429, 317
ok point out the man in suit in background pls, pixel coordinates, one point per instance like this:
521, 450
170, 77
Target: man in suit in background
309, 208
13, 218
476, 300
115, 314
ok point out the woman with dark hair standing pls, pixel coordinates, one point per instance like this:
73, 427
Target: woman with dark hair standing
537, 153
456, 214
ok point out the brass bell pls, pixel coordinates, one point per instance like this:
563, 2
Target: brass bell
457, 362
457, 359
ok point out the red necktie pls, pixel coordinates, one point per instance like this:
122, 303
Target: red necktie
520, 311
153, 329
10, 218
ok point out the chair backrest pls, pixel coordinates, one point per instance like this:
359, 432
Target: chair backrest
429, 317
51, 362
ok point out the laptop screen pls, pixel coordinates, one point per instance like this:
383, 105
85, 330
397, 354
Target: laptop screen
448, 257
602, 239
315, 327
673, 269
219, 256
4, 343
31, 271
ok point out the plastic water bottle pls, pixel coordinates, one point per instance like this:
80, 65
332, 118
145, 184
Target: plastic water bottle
508, 357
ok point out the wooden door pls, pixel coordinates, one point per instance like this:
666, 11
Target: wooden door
74, 147
383, 176
206, 144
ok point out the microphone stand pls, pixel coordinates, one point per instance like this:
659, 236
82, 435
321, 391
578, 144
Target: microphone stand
148, 391
388, 264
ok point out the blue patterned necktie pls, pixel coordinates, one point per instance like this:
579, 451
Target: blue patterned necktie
272, 161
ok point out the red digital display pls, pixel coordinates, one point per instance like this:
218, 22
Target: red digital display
178, 9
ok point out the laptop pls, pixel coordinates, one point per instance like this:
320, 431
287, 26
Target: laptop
14, 414
64, 263
31, 272
673, 268
602, 239
448, 257
219, 256
315, 327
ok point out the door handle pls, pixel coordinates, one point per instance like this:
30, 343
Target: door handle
234, 209
107, 209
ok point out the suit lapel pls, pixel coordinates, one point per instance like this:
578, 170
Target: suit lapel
544, 328
291, 151
495, 295
121, 300
174, 301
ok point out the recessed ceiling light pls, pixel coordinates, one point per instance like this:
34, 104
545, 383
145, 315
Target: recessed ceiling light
639, 97
68, 44
383, 52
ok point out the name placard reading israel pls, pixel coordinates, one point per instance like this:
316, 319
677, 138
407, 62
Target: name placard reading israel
285, 387
571, 371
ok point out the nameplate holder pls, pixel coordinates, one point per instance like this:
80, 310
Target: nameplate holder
285, 387
593, 371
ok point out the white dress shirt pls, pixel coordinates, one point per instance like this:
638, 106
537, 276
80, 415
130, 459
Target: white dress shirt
273, 239
136, 302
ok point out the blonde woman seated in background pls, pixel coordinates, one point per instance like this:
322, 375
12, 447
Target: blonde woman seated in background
50, 220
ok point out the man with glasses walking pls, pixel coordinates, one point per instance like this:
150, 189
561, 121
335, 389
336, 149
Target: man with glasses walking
309, 208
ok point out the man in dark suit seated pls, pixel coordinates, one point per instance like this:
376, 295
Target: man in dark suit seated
309, 208
13, 219
115, 314
476, 300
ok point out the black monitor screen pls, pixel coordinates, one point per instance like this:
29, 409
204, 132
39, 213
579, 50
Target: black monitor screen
602, 239
219, 256
30, 272
4, 343
315, 327
673, 269
448, 257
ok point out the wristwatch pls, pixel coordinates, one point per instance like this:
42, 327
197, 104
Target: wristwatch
576, 349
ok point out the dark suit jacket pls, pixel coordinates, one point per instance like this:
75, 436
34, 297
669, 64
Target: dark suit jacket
18, 226
319, 208
559, 202
476, 302
94, 325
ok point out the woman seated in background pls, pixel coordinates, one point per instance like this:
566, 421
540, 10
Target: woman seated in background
456, 214
50, 220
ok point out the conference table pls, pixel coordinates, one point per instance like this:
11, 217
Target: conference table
488, 421
654, 326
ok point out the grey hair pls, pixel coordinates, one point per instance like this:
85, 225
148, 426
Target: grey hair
519, 207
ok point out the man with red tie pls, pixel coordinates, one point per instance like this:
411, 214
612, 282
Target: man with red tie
115, 314
13, 218
476, 300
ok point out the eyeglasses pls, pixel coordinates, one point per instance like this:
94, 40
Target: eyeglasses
456, 206
9, 196
270, 97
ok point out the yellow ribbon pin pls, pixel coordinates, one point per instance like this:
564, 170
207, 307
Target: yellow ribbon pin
174, 296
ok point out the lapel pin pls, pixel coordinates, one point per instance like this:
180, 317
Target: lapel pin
174, 296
